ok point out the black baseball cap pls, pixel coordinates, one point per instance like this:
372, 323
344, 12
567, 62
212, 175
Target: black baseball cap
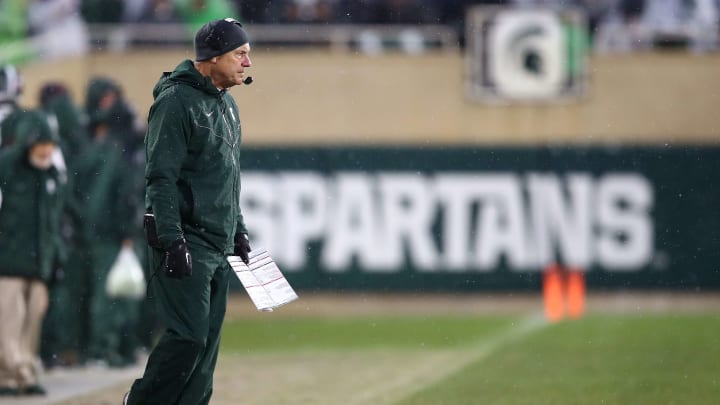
217, 37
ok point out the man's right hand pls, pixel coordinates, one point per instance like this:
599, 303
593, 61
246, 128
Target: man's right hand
178, 262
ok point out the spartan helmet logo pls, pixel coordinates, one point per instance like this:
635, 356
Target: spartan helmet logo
10, 83
529, 57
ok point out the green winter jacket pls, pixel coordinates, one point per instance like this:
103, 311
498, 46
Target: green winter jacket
106, 198
192, 170
31, 202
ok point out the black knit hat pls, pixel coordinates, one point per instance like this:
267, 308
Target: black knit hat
217, 37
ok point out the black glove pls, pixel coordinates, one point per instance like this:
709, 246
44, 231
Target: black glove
178, 262
242, 247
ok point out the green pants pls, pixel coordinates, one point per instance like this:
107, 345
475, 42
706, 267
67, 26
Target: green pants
66, 324
180, 368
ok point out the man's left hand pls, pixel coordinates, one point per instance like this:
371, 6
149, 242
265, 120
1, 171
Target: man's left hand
242, 247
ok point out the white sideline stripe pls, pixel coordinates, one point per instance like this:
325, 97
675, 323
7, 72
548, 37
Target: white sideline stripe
406, 384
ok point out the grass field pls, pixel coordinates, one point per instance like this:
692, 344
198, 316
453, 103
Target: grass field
481, 359
421, 351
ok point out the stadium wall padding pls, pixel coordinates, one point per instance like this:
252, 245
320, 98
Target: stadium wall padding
473, 218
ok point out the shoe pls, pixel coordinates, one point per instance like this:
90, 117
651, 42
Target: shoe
34, 389
9, 392
125, 398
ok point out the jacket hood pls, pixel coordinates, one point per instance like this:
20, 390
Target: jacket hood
185, 73
32, 128
96, 90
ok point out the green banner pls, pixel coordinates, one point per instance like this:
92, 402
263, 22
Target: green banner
468, 218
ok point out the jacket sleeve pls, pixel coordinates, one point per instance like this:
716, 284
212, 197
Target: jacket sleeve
241, 228
166, 146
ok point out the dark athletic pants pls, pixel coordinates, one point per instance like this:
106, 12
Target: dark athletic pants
180, 368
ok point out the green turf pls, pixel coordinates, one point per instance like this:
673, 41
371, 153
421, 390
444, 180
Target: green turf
669, 359
265, 334
658, 359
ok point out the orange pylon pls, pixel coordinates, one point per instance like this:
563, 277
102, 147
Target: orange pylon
563, 292
575, 293
553, 293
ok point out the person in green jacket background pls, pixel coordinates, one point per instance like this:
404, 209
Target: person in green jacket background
109, 202
63, 333
193, 192
65, 118
32, 193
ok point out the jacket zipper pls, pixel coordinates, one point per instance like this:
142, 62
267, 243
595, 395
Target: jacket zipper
236, 174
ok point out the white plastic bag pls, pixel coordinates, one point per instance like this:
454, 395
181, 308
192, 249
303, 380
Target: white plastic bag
126, 279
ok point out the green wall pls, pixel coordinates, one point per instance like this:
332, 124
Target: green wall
469, 218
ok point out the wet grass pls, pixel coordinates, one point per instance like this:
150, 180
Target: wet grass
600, 359
659, 359
266, 334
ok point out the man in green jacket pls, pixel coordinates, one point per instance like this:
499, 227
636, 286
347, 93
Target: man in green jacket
61, 337
110, 205
31, 201
193, 190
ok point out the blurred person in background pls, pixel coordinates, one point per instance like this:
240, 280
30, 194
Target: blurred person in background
108, 201
133, 10
13, 24
622, 28
102, 11
62, 336
31, 202
357, 11
65, 118
595, 11
10, 90
259, 11
193, 191
127, 136
57, 28
196, 12
408, 12
308, 11
452, 12
692, 24
160, 11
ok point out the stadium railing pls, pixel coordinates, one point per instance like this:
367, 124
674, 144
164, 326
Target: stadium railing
333, 36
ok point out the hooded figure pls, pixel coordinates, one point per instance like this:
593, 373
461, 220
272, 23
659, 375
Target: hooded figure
109, 115
108, 199
10, 90
62, 113
32, 193
62, 336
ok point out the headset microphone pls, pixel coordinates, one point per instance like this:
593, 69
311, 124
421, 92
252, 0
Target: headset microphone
248, 80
